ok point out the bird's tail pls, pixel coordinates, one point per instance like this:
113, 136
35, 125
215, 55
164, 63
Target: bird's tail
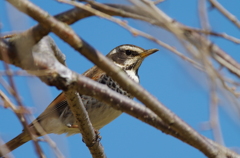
14, 143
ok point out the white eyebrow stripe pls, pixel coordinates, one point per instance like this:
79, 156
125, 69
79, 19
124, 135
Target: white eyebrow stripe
113, 51
131, 48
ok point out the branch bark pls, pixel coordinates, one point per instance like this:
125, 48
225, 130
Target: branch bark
84, 124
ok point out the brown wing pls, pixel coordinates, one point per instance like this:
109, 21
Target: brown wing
58, 99
94, 73
56, 106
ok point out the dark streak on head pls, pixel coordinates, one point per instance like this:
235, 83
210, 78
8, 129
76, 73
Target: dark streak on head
122, 53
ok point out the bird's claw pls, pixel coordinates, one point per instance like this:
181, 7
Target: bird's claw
96, 140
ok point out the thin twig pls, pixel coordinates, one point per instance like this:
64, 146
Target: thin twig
53, 145
8, 35
15, 109
203, 15
27, 73
5, 85
8, 104
214, 116
47, 139
223, 35
4, 149
224, 84
158, 1
235, 83
225, 12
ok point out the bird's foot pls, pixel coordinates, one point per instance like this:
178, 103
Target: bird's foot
98, 137
96, 140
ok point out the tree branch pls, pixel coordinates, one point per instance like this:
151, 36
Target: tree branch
225, 12
84, 124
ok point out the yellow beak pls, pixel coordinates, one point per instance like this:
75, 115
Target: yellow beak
148, 52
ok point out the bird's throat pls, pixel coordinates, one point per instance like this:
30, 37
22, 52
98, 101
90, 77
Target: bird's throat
132, 74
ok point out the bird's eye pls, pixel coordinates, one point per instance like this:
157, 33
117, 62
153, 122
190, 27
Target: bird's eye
128, 52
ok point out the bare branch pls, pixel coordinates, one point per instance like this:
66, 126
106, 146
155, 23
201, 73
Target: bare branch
4, 149
225, 12
214, 118
158, 1
203, 15
84, 124
223, 35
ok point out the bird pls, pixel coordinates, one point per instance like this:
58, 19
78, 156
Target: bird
57, 117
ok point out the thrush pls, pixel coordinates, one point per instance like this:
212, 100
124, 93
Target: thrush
57, 117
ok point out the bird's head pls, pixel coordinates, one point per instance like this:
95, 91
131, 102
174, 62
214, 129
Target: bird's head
129, 57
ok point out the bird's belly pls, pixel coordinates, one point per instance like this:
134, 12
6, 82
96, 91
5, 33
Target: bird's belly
99, 113
55, 125
102, 115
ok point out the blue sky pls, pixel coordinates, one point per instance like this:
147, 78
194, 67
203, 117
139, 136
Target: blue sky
178, 85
